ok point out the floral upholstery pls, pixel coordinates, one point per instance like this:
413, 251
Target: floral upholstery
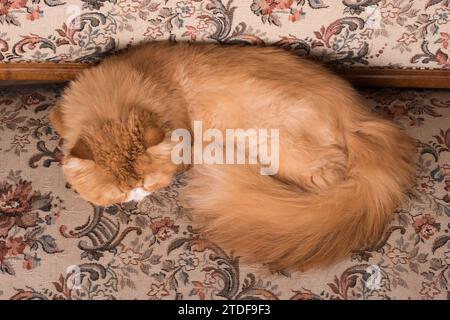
54, 245
379, 33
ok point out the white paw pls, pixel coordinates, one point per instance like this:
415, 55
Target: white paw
137, 194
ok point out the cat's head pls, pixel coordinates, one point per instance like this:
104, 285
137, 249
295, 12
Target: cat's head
118, 161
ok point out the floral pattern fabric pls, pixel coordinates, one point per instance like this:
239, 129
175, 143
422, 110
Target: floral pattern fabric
380, 33
54, 245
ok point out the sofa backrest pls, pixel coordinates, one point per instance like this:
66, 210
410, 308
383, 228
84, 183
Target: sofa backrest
394, 34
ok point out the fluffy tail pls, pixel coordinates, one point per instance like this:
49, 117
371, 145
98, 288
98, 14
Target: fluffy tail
267, 221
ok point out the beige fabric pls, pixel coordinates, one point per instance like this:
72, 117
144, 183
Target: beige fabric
148, 250
395, 33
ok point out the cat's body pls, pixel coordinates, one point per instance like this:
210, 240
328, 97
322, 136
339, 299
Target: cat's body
342, 170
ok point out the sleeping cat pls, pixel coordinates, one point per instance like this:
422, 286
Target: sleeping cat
342, 169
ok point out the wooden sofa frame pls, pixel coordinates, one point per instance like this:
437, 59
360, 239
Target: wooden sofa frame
364, 77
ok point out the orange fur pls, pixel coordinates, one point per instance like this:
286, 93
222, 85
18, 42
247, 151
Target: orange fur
342, 169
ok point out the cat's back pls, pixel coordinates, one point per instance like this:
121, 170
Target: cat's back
222, 59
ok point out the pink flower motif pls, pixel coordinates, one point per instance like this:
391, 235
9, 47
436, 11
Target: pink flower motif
268, 6
15, 245
163, 228
389, 11
17, 4
442, 58
407, 38
426, 226
4, 7
191, 32
424, 185
32, 98
202, 24
157, 291
129, 257
130, 6
355, 44
296, 15
210, 278
35, 14
429, 289
153, 32
21, 140
100, 39
397, 256
16, 204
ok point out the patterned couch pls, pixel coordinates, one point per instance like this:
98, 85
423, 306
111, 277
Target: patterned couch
378, 33
54, 245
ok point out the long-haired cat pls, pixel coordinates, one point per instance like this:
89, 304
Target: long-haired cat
342, 170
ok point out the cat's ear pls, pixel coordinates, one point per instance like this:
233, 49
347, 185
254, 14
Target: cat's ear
56, 119
81, 150
153, 136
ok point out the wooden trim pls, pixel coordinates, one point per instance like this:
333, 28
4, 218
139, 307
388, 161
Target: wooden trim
400, 78
364, 77
40, 71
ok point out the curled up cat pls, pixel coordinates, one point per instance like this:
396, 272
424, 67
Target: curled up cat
342, 170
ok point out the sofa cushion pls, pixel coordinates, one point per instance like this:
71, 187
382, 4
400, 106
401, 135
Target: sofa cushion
148, 250
379, 33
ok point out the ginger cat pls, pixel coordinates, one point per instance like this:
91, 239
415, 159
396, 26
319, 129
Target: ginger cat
342, 169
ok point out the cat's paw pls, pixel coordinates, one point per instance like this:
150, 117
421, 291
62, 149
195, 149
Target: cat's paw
137, 194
